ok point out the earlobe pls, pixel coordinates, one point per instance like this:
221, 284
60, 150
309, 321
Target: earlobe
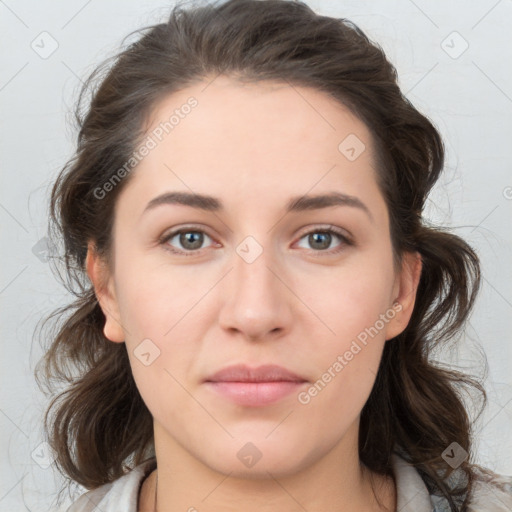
105, 293
405, 293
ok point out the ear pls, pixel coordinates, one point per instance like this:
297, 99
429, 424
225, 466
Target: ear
105, 293
404, 293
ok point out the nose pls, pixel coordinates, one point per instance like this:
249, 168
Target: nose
258, 301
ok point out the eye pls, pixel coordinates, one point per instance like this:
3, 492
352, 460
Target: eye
191, 240
320, 239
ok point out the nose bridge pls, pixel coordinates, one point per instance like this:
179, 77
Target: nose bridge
256, 303
252, 263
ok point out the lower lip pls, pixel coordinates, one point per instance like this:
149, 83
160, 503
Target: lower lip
255, 394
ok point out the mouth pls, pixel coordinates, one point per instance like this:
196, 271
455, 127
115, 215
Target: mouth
254, 387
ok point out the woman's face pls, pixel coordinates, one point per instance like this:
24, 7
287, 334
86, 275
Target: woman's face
255, 278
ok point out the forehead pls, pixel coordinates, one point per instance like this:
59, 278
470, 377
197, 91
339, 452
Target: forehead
274, 115
256, 140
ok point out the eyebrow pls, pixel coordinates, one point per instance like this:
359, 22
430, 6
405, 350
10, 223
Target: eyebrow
295, 204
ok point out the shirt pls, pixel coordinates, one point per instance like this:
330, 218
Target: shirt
490, 493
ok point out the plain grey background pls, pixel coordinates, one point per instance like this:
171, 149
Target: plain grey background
453, 61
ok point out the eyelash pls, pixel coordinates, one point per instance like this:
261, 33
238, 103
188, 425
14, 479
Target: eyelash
344, 239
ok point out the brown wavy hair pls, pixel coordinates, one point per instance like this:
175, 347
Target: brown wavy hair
97, 423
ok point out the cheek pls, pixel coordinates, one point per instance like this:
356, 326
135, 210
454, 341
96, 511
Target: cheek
351, 298
154, 297
355, 307
158, 310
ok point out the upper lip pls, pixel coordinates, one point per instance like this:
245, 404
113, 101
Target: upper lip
244, 373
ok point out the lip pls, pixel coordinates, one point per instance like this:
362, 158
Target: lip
254, 387
264, 373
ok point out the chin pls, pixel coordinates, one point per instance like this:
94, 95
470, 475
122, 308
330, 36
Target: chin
255, 457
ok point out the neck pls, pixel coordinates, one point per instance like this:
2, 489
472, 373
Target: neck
336, 481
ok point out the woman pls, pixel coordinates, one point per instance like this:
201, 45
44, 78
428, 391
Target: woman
216, 358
